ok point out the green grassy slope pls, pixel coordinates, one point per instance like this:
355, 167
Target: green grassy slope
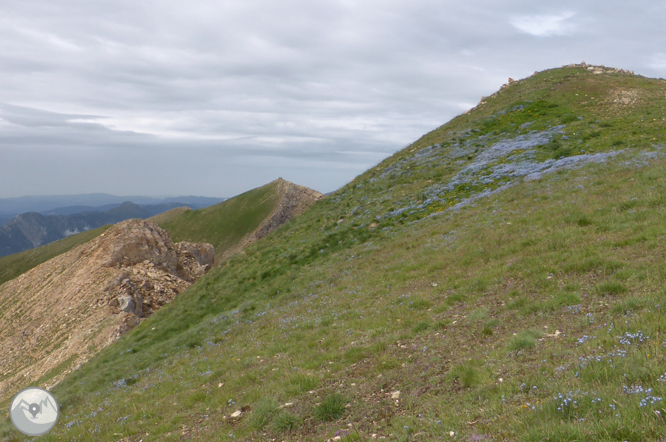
169, 215
14, 265
223, 225
534, 312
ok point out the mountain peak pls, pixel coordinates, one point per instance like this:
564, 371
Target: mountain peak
128, 204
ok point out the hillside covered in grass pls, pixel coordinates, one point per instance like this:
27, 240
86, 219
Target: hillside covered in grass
501, 278
224, 224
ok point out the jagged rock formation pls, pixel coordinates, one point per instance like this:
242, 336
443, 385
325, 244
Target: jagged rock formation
60, 313
294, 199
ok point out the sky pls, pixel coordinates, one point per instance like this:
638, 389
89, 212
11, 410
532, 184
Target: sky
213, 98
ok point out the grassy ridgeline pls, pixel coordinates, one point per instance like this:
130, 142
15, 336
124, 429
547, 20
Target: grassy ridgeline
224, 225
530, 306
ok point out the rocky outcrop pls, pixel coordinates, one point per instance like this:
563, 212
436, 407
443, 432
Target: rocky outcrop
294, 200
134, 242
194, 259
601, 69
60, 313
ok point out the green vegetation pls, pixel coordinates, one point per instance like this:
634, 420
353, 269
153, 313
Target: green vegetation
465, 374
264, 412
525, 340
14, 265
223, 225
535, 313
331, 408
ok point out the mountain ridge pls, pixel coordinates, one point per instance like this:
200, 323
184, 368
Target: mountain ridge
32, 229
241, 220
46, 203
216, 220
294, 200
112, 282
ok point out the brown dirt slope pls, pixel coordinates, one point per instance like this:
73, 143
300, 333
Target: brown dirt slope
60, 313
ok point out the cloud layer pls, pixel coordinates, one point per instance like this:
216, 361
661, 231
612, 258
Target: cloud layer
213, 98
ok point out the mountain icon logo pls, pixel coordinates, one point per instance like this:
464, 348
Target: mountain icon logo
34, 411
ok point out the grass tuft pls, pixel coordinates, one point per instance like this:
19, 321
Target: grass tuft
611, 288
263, 413
525, 340
285, 421
331, 408
465, 374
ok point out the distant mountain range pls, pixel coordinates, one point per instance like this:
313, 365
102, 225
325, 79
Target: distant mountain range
50, 204
33, 229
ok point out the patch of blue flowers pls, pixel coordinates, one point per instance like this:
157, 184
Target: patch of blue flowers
649, 399
566, 402
633, 338
585, 338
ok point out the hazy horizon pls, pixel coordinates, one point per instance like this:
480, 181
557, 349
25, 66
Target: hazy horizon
110, 194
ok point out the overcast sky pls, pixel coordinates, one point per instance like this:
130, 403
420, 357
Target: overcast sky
213, 98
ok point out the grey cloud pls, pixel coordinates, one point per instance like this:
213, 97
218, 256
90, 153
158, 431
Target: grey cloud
122, 96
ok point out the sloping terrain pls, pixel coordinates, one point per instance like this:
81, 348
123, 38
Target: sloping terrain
32, 229
57, 315
499, 279
233, 224
169, 215
16, 264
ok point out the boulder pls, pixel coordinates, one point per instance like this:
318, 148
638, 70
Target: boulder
126, 304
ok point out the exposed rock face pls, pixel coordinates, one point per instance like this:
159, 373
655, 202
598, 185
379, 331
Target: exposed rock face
67, 309
134, 242
294, 199
194, 259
